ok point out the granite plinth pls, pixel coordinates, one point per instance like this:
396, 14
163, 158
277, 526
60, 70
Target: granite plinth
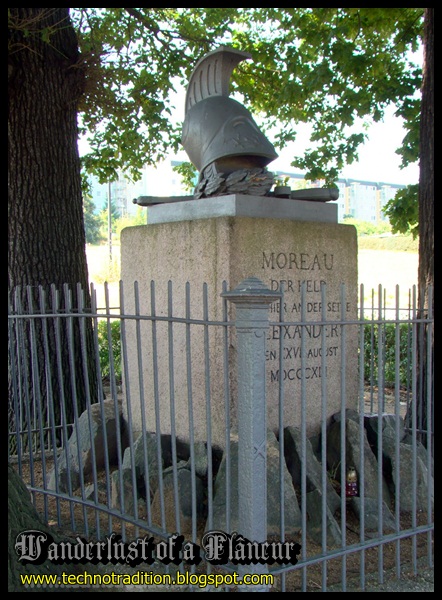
183, 366
237, 205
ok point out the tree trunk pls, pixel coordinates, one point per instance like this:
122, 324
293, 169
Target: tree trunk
425, 408
22, 516
45, 216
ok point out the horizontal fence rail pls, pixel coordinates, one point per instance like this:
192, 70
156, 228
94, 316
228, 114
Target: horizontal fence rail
171, 415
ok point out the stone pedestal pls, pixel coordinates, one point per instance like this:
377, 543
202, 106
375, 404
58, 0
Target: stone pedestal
285, 243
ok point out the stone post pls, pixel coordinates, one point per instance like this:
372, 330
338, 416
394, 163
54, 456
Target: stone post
252, 299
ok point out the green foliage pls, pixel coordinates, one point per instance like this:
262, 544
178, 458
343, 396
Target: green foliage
109, 349
113, 208
392, 243
92, 222
189, 175
104, 219
281, 181
380, 352
334, 68
403, 211
373, 236
119, 223
109, 271
366, 228
140, 218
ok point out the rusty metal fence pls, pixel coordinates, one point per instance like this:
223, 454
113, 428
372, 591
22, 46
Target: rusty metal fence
131, 423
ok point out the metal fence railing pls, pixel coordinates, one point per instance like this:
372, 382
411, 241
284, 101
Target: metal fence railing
311, 439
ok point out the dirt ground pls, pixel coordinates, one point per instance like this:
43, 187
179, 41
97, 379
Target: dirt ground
385, 555
373, 270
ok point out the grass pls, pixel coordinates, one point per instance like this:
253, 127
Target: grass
384, 260
396, 243
103, 265
102, 269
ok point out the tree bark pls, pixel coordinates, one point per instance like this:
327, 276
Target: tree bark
22, 516
426, 233
426, 173
46, 238
45, 215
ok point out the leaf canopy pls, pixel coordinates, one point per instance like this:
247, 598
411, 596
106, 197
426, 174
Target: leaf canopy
336, 69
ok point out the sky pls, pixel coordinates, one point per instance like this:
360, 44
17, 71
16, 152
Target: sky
378, 161
377, 158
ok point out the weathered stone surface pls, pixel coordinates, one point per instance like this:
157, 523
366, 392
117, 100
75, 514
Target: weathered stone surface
92, 490
388, 425
123, 493
282, 253
144, 459
201, 459
292, 514
353, 445
371, 514
315, 523
396, 456
313, 468
98, 432
179, 505
397, 460
349, 413
64, 479
413, 490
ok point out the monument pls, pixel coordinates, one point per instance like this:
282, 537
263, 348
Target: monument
233, 227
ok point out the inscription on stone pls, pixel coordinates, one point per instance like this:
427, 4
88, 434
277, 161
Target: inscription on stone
322, 342
316, 362
302, 261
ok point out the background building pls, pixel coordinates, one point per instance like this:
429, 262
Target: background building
361, 200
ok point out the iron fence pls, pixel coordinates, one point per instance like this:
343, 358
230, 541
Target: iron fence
315, 433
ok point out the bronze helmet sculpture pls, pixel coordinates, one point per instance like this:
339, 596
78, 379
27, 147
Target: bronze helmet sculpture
219, 132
